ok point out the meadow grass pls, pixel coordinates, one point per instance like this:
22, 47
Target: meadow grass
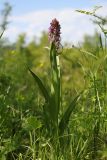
44, 120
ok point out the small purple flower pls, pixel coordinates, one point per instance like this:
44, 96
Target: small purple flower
54, 33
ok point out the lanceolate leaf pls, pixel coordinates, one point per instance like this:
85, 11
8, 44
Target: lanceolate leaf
49, 107
41, 86
65, 119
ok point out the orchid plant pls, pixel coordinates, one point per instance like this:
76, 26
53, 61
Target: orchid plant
51, 109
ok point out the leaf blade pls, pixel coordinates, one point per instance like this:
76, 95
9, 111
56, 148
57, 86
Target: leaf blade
65, 119
41, 86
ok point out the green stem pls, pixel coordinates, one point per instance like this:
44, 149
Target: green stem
105, 44
55, 84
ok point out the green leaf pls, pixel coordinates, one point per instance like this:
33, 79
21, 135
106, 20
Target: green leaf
49, 107
105, 31
31, 123
65, 119
101, 43
9, 146
41, 86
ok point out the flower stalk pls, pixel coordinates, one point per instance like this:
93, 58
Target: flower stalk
54, 38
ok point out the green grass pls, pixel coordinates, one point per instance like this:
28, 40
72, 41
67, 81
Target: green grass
63, 116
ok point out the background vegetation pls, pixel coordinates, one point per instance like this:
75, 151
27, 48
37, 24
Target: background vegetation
23, 135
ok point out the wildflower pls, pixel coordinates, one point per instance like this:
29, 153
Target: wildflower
54, 33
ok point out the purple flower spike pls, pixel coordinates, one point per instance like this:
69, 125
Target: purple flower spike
54, 33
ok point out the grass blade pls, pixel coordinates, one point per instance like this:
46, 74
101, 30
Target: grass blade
1, 34
101, 43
